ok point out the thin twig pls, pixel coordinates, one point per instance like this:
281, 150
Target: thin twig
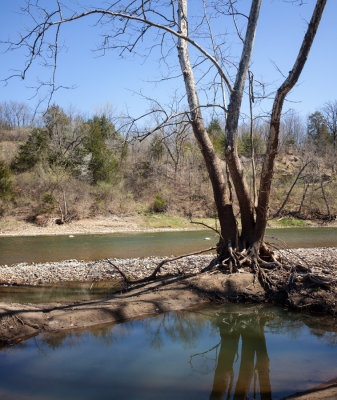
207, 226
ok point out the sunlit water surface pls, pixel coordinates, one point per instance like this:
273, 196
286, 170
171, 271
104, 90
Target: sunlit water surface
209, 353
126, 245
94, 247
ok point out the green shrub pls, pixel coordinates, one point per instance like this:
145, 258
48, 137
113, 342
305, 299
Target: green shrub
245, 144
48, 204
33, 151
290, 222
6, 182
159, 204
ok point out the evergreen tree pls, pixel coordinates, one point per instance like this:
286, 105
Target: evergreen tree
217, 136
35, 150
318, 129
6, 181
103, 164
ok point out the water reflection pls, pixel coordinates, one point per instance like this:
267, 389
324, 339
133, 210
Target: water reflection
227, 352
254, 363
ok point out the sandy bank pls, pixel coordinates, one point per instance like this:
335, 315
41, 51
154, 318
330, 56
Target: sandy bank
100, 225
14, 227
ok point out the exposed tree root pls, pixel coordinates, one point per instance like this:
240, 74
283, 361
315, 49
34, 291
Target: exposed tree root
273, 272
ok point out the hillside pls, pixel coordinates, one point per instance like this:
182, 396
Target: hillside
73, 170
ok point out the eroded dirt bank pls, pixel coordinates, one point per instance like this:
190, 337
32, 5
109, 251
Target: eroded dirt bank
19, 321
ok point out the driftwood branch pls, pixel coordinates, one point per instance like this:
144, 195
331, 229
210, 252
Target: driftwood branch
157, 269
153, 276
319, 280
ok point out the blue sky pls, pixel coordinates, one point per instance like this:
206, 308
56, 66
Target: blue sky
98, 80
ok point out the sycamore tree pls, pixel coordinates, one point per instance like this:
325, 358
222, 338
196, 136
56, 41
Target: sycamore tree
126, 26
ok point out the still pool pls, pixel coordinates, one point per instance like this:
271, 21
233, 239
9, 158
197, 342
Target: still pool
219, 352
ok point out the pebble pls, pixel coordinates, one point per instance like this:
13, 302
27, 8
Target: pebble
136, 268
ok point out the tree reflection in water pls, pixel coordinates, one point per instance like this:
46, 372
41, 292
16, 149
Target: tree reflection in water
254, 361
233, 362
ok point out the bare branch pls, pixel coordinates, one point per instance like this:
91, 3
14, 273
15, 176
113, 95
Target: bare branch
206, 226
40, 30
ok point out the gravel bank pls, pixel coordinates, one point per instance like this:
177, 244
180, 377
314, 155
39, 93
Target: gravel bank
75, 270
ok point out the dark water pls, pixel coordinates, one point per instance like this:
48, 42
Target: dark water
94, 247
210, 353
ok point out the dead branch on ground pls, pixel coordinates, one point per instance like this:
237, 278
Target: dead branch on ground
153, 276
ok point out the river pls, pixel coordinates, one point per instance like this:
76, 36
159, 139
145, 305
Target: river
126, 245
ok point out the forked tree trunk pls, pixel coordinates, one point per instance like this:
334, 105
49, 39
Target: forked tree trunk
326, 200
306, 187
234, 164
253, 230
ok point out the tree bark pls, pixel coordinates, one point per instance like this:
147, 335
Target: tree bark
274, 129
231, 153
252, 150
229, 232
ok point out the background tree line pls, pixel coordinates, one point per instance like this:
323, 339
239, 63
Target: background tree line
65, 166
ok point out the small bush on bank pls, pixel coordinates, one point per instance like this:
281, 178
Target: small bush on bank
159, 204
48, 204
6, 188
6, 182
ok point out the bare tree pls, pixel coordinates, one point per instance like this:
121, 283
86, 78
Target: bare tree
330, 114
279, 211
14, 115
129, 23
292, 129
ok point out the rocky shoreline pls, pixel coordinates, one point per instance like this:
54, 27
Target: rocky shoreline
321, 259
